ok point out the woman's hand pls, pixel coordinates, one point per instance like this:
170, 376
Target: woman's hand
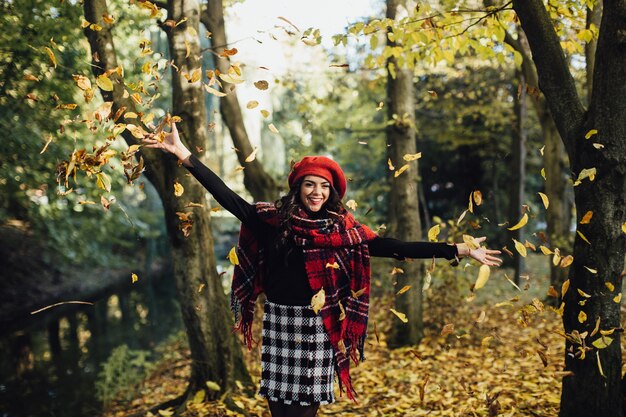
171, 142
481, 254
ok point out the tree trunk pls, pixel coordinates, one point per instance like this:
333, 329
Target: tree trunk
594, 387
404, 217
516, 190
257, 181
215, 352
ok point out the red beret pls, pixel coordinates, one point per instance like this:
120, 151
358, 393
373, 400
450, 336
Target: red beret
322, 167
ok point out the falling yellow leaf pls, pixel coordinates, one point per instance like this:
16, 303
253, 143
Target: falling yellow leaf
342, 314
586, 218
412, 156
53, 59
543, 173
351, 204
397, 270
103, 181
178, 189
582, 317
520, 224
461, 217
544, 199
334, 265
401, 316
401, 170
567, 261
485, 341
483, 276
134, 278
403, 289
252, 156
481, 317
213, 386
265, 114
564, 287
618, 298
470, 204
252, 104
599, 363
433, 232
583, 237
585, 173
390, 165
478, 197
624, 227
104, 83
201, 287
598, 145
318, 300
232, 256
609, 286
261, 85
593, 271
591, 133
519, 246
545, 250
213, 91
583, 294
602, 342
272, 128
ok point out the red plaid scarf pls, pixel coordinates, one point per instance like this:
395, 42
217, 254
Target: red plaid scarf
336, 259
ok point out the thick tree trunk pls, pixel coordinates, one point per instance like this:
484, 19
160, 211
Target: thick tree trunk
516, 190
215, 352
404, 217
594, 387
257, 181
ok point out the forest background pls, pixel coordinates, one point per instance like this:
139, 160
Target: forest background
451, 120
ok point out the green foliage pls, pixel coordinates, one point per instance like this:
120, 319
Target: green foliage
122, 373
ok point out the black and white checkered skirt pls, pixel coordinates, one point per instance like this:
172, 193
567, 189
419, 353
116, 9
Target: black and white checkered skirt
297, 359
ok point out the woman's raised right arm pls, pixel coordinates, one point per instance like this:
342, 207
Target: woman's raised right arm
226, 197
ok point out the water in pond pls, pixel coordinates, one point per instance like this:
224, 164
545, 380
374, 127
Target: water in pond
49, 367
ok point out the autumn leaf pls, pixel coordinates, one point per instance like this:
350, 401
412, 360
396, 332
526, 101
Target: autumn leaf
403, 289
586, 218
252, 104
252, 155
358, 293
397, 270
134, 278
624, 227
520, 224
591, 133
178, 189
334, 265
544, 199
214, 91
412, 156
564, 288
272, 128
617, 298
213, 386
478, 197
433, 232
232, 256
351, 204
318, 300
265, 114
585, 173
582, 317
602, 342
566, 261
390, 165
51, 56
483, 276
401, 170
103, 181
401, 316
593, 271
261, 85
104, 83
583, 237
229, 52
520, 248
609, 286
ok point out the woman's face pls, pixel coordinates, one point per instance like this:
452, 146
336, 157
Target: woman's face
314, 192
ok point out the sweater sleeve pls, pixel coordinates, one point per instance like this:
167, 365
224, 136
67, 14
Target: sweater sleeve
386, 247
226, 197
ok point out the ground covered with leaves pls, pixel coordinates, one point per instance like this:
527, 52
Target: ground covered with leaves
495, 353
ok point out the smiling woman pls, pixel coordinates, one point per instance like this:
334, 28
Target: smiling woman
311, 258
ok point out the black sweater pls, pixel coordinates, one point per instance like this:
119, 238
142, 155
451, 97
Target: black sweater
287, 281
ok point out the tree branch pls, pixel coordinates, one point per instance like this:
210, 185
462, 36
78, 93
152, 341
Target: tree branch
555, 80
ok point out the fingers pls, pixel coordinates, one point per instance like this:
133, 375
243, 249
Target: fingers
174, 129
151, 126
480, 239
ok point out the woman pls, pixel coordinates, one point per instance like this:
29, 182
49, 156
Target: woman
310, 257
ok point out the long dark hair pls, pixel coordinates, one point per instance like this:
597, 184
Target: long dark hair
289, 204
